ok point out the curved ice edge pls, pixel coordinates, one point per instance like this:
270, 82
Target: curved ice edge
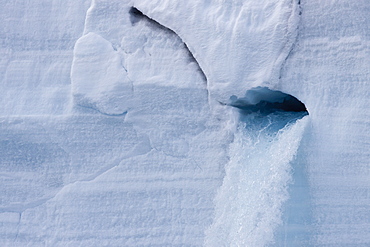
136, 15
95, 109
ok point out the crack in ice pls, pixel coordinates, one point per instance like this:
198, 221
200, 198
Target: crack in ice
139, 14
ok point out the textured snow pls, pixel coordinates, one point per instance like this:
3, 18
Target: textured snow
247, 45
117, 128
329, 71
98, 79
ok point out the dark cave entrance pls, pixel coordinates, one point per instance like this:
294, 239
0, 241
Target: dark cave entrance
270, 110
266, 101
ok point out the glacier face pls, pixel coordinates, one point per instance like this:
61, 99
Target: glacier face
112, 131
328, 70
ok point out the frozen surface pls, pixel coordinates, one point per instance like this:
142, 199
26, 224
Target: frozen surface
329, 71
238, 44
37, 40
130, 123
248, 204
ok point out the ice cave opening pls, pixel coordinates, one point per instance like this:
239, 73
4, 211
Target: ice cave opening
268, 109
251, 201
266, 101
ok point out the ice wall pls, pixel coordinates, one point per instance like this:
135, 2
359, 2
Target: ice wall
135, 155
328, 70
115, 127
37, 40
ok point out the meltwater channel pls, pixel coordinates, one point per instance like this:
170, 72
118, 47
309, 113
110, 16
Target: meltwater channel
248, 205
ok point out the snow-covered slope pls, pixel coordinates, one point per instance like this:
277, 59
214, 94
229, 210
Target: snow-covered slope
117, 125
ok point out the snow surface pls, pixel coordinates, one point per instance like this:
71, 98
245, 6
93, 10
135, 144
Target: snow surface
116, 127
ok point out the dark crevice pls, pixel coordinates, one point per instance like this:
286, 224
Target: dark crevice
136, 16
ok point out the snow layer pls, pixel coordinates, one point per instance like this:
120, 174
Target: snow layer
112, 131
37, 40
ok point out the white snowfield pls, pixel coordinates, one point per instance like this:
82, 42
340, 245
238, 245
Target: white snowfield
116, 127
